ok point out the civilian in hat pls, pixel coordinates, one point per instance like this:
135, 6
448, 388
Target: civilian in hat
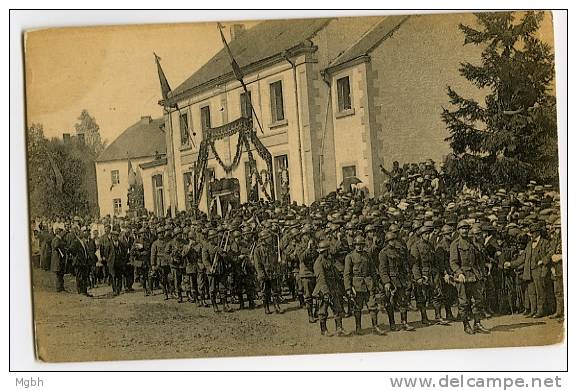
116, 254
534, 260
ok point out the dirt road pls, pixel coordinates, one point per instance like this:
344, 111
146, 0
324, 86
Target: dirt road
71, 327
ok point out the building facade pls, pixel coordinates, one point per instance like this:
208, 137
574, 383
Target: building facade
141, 143
335, 98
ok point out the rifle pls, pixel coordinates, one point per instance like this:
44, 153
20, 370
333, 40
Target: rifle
215, 259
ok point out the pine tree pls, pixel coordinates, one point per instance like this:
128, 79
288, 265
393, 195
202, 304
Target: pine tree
512, 137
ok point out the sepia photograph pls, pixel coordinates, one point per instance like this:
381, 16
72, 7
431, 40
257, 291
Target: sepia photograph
294, 186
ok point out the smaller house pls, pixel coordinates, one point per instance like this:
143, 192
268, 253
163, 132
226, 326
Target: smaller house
142, 146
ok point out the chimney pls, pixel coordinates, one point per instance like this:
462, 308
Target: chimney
80, 138
146, 119
66, 138
236, 31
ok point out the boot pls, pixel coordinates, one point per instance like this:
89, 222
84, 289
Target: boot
301, 301
324, 330
391, 314
349, 312
277, 308
339, 328
225, 305
376, 329
214, 304
405, 325
358, 328
424, 318
467, 328
310, 313
266, 307
251, 305
449, 314
438, 319
478, 327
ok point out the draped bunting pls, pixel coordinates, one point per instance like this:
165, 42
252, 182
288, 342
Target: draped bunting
244, 127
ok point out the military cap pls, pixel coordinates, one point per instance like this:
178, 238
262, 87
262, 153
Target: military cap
142, 231
177, 230
212, 234
394, 228
424, 229
417, 224
535, 227
359, 239
264, 234
369, 228
323, 245
463, 224
476, 228
390, 236
447, 229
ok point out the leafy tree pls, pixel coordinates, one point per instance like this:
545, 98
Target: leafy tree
87, 125
512, 137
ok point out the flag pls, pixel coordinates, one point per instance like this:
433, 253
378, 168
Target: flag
237, 72
235, 67
131, 174
164, 86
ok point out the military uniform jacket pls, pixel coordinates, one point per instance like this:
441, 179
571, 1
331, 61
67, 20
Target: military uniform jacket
442, 254
209, 252
58, 251
265, 261
174, 250
423, 259
394, 267
158, 256
192, 255
140, 253
338, 250
465, 259
358, 273
326, 277
307, 259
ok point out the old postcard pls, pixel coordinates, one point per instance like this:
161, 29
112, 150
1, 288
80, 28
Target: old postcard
296, 186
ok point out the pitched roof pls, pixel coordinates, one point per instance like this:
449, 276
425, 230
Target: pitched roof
370, 40
144, 138
263, 41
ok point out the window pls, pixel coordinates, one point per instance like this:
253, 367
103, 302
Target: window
344, 94
349, 171
184, 134
117, 206
115, 177
158, 195
245, 105
276, 102
205, 117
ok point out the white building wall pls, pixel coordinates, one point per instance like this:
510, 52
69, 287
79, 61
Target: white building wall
106, 191
224, 101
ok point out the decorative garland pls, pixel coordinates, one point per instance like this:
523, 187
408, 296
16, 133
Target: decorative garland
235, 161
242, 126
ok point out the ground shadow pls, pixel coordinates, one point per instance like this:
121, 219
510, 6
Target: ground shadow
514, 326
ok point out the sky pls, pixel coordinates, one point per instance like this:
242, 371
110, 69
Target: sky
109, 71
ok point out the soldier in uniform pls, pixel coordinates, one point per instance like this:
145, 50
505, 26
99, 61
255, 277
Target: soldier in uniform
307, 254
338, 250
216, 267
360, 285
174, 250
159, 260
442, 253
267, 269
557, 272
140, 253
235, 277
327, 291
426, 276
191, 252
467, 266
394, 273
